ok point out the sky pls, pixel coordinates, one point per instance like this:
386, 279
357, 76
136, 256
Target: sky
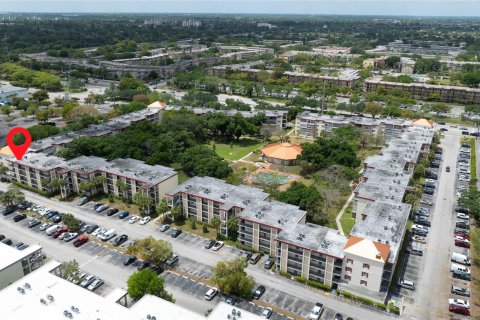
331, 7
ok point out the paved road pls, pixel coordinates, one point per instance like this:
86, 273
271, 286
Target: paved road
436, 260
191, 247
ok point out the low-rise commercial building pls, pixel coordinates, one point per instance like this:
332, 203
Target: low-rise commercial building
15, 264
7, 91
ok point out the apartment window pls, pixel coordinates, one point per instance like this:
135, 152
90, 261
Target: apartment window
346, 277
364, 274
348, 269
350, 261
363, 283
366, 266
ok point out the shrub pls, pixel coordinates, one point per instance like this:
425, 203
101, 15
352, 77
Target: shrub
319, 285
205, 228
284, 274
300, 279
29, 188
393, 309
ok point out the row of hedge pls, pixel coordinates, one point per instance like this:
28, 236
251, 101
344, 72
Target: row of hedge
364, 300
312, 283
33, 189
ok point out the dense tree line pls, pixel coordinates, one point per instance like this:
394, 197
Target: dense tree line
180, 137
25, 77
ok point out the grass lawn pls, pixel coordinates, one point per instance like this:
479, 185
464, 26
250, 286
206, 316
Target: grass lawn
236, 150
347, 221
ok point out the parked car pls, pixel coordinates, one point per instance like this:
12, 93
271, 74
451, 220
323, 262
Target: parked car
316, 312
422, 221
91, 228
57, 217
119, 240
82, 201
231, 300
463, 243
172, 261
2, 236
217, 245
460, 291
462, 235
133, 219
8, 210
87, 281
258, 292
70, 236
97, 283
33, 223
7, 241
80, 241
267, 313
338, 316
110, 212
123, 215
463, 216
164, 227
254, 259
461, 275
210, 294
268, 263
97, 205
143, 264
461, 209
128, 260
175, 233
101, 208
45, 226
459, 302
459, 310
414, 251
247, 255
420, 232
108, 235
428, 190
447, 168
145, 220
407, 284
209, 244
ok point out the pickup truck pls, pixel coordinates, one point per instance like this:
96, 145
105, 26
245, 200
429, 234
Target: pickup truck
316, 312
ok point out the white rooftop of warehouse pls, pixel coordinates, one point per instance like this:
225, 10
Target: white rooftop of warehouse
41, 284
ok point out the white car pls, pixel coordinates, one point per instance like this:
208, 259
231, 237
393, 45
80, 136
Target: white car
63, 236
98, 232
458, 238
217, 245
145, 220
462, 216
420, 227
266, 313
459, 302
133, 219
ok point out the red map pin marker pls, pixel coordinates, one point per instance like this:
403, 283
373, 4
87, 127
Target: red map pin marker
20, 150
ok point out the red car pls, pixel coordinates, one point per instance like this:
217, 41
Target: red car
458, 309
464, 236
462, 243
80, 240
57, 233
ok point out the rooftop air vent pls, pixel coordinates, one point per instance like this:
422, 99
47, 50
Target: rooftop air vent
20, 289
43, 301
27, 285
50, 297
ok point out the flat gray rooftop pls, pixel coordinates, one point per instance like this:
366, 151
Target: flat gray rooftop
360, 121
393, 192
232, 112
386, 177
40, 161
138, 170
385, 223
220, 191
272, 213
314, 237
84, 164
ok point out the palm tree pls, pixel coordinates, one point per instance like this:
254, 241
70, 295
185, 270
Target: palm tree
143, 201
122, 187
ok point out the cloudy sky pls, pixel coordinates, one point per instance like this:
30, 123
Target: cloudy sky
360, 7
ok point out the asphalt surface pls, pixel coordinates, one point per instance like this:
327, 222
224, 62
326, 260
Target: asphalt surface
281, 292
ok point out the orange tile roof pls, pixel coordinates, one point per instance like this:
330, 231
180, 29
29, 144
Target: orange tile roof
365, 248
283, 151
422, 123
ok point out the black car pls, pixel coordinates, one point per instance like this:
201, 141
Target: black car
258, 292
435, 164
128, 260
96, 205
457, 230
420, 232
19, 217
209, 244
110, 212
428, 190
461, 210
8, 242
461, 275
8, 210
24, 205
57, 218
51, 214
231, 300
175, 233
338, 316
23, 246
422, 221
142, 265
158, 270
2, 236
91, 228
33, 223
268, 264
247, 255
414, 251
462, 224
119, 240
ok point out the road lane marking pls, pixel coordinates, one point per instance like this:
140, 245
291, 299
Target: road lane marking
87, 262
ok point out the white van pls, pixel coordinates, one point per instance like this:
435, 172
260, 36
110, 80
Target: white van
107, 235
407, 284
460, 258
460, 268
52, 229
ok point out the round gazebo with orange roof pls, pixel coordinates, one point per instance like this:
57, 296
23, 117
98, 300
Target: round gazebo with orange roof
283, 153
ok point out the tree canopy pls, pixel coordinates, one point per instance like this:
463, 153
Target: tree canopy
145, 282
231, 278
152, 250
